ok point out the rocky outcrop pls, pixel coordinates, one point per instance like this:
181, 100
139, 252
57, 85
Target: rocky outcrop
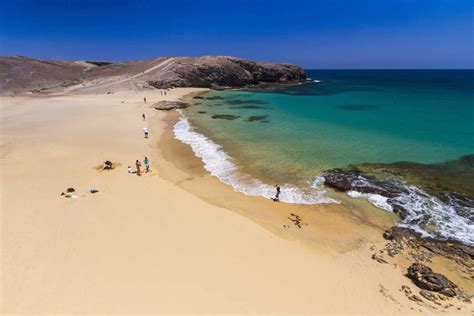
22, 74
426, 279
170, 105
345, 180
451, 249
222, 71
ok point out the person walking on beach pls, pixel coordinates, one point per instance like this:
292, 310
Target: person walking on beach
144, 99
277, 195
143, 116
138, 165
145, 131
147, 164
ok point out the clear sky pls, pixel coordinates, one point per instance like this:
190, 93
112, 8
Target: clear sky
313, 34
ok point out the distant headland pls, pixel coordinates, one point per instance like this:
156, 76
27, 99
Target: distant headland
22, 74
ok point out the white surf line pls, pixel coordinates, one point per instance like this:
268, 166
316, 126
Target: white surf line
222, 166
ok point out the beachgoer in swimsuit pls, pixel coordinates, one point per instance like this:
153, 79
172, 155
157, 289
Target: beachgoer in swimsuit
138, 165
145, 131
147, 164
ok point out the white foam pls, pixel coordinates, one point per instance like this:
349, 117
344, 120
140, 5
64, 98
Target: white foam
426, 214
220, 165
376, 199
316, 81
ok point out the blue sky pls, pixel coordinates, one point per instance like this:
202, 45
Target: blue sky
313, 34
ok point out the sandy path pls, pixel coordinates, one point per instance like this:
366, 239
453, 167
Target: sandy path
143, 244
111, 82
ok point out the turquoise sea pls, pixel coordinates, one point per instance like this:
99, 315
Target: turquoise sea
289, 135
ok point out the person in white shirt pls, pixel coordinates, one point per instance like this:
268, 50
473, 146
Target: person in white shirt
145, 131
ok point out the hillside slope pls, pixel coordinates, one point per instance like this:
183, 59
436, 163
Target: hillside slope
22, 74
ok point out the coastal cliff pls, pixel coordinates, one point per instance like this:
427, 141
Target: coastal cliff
22, 74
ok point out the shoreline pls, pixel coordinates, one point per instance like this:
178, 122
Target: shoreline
196, 177
412, 197
176, 235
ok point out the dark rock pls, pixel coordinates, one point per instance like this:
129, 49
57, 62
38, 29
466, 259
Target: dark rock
70, 190
256, 118
202, 112
451, 249
401, 234
169, 105
216, 97
398, 209
337, 180
463, 205
426, 279
345, 180
225, 117
430, 296
198, 97
379, 258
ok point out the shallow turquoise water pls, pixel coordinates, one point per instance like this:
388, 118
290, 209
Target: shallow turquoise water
350, 117
291, 135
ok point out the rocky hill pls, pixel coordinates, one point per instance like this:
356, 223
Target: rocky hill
21, 74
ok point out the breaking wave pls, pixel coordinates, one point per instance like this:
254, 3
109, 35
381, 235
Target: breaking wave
426, 214
220, 165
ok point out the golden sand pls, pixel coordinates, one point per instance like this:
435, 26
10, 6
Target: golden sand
174, 240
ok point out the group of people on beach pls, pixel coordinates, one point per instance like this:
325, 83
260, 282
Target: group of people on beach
138, 167
146, 161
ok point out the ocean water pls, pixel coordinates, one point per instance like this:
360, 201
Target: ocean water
290, 135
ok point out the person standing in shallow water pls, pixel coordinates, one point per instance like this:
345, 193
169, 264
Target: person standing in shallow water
277, 195
138, 165
143, 116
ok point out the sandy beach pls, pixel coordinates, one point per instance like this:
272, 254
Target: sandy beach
176, 239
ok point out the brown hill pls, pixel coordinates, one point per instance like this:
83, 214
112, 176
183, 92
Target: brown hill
22, 74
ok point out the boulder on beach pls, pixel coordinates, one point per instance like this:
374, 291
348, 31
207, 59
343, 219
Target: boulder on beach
426, 279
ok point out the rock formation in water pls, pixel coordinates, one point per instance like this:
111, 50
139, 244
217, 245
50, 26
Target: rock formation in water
170, 105
21, 74
228, 117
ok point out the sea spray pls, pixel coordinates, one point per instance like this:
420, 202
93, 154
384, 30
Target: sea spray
221, 165
425, 213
